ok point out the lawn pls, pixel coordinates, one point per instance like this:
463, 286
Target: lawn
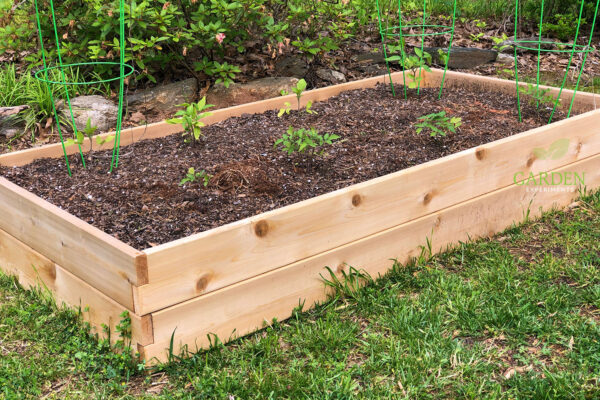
516, 316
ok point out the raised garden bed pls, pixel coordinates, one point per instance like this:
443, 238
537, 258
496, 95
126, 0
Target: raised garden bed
254, 243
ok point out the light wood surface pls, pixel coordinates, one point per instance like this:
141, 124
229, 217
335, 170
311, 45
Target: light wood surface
199, 264
36, 271
162, 129
246, 306
97, 258
584, 101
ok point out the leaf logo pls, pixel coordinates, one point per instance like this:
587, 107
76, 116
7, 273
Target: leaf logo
556, 151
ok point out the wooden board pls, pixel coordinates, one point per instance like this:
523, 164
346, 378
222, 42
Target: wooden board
245, 306
583, 101
208, 261
162, 129
97, 258
34, 270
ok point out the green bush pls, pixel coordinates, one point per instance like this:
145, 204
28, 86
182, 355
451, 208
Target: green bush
168, 36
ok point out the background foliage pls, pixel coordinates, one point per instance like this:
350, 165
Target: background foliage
168, 36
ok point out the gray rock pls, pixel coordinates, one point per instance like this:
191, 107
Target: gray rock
331, 76
463, 57
10, 125
292, 66
241, 93
10, 132
370, 58
101, 112
506, 59
164, 98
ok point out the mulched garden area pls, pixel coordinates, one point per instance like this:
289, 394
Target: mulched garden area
143, 204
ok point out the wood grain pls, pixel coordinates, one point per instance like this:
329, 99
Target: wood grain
36, 271
97, 258
246, 306
208, 261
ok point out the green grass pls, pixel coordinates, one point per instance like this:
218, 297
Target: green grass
514, 317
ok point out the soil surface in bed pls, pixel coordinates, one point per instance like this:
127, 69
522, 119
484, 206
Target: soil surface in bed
143, 204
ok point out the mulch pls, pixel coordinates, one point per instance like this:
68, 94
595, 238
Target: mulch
143, 204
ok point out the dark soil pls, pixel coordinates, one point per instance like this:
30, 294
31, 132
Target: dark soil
143, 205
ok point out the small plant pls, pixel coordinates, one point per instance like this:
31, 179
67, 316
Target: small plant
498, 46
564, 26
443, 56
309, 108
300, 140
412, 63
191, 119
299, 89
477, 37
225, 73
539, 96
287, 107
480, 24
192, 176
88, 132
438, 124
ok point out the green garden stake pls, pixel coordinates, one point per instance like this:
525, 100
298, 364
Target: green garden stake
397, 32
571, 48
44, 75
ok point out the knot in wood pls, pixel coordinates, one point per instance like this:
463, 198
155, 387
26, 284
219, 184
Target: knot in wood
261, 228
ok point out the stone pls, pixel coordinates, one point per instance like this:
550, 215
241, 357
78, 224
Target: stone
295, 66
241, 93
164, 99
370, 57
10, 132
463, 57
506, 59
331, 76
101, 112
6, 112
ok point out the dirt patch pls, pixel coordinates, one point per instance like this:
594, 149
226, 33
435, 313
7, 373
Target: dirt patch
143, 204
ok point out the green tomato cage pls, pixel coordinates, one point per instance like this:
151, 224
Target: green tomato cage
45, 73
392, 28
539, 46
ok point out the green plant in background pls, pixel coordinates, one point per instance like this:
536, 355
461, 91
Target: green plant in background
191, 119
539, 96
22, 89
564, 26
299, 89
192, 176
438, 124
413, 64
498, 40
393, 26
296, 141
224, 72
476, 37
